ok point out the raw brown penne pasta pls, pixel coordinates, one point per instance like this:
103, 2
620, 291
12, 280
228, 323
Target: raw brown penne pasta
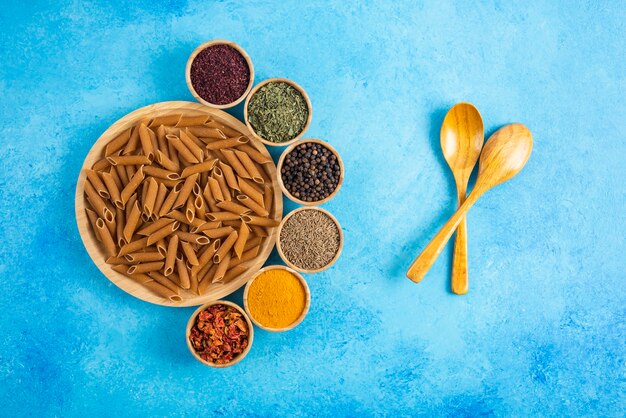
268, 198
117, 143
235, 163
195, 139
206, 279
118, 260
116, 178
146, 142
229, 175
242, 237
181, 149
247, 256
114, 192
199, 168
200, 207
233, 207
227, 143
133, 141
165, 281
228, 131
111, 225
154, 226
191, 121
132, 220
233, 271
222, 216
151, 170
206, 256
252, 242
258, 220
251, 204
170, 199
144, 257
172, 153
129, 160
101, 165
107, 239
185, 191
145, 267
97, 203
219, 176
183, 274
222, 267
161, 141
120, 221
207, 132
225, 247
259, 231
247, 189
190, 253
170, 258
165, 161
192, 238
97, 184
93, 217
218, 232
163, 232
216, 190
161, 247
180, 217
197, 190
132, 185
122, 174
160, 198
133, 246
191, 145
151, 194
235, 224
206, 226
190, 210
167, 120
130, 170
249, 166
256, 155
149, 283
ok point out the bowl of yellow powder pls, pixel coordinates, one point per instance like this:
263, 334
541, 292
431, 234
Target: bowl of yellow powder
277, 298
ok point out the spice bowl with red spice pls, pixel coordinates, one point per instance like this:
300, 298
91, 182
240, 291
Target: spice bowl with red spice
219, 334
219, 74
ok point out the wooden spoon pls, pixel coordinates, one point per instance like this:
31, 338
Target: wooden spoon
503, 156
462, 138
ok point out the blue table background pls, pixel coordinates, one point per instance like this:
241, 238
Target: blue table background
542, 331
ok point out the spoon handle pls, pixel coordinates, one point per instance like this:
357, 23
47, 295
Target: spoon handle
427, 258
459, 282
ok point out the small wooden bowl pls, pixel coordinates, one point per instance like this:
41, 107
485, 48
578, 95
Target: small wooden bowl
192, 321
304, 311
280, 248
193, 57
292, 84
279, 167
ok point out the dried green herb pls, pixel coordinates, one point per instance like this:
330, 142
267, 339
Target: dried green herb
277, 112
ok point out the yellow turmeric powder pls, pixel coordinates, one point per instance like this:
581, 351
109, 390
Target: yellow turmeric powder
276, 298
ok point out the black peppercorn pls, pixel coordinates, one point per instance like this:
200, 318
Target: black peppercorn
310, 172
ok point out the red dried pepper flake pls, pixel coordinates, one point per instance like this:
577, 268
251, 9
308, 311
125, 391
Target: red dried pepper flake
219, 334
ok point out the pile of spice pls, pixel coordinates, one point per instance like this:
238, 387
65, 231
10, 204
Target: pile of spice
220, 74
220, 334
277, 112
276, 298
310, 172
310, 239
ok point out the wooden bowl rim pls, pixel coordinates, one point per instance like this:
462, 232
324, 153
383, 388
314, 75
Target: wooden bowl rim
280, 249
201, 48
281, 160
292, 84
307, 291
192, 320
93, 247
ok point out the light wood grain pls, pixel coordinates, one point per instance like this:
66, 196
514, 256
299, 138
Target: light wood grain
504, 155
304, 311
205, 46
284, 257
281, 161
462, 137
192, 320
295, 86
95, 249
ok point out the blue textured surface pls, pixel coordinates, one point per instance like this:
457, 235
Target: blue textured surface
542, 331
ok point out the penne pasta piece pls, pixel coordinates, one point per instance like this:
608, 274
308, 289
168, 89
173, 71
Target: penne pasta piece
229, 175
133, 246
200, 207
252, 242
204, 132
130, 170
185, 191
183, 273
233, 207
165, 161
145, 267
229, 132
206, 226
268, 197
122, 174
97, 203
235, 163
97, 184
154, 226
165, 281
163, 232
218, 232
216, 190
208, 197
160, 198
167, 120
170, 258
206, 257
206, 279
250, 166
258, 220
180, 217
251, 204
192, 238
120, 222
144, 257
259, 231
170, 199
222, 267
93, 217
227, 143
223, 216
133, 141
161, 247
251, 191
254, 154
129, 160
101, 164
161, 141
146, 142
195, 139
197, 190
195, 149
203, 179
190, 210
191, 121
190, 253
242, 237
117, 261
132, 221
111, 225
151, 194
117, 143
116, 178
132, 185
219, 176
233, 271
235, 223
172, 153
107, 239
151, 170
150, 284
225, 247
182, 150
247, 256
199, 168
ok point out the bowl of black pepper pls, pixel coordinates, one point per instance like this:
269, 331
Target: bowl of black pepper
219, 74
310, 172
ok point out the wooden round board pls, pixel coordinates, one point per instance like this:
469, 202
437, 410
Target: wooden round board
94, 248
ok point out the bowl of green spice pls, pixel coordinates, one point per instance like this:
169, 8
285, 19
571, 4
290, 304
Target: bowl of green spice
278, 112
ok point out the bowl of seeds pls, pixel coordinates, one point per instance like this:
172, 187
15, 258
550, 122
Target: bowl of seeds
310, 172
219, 74
309, 240
278, 112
